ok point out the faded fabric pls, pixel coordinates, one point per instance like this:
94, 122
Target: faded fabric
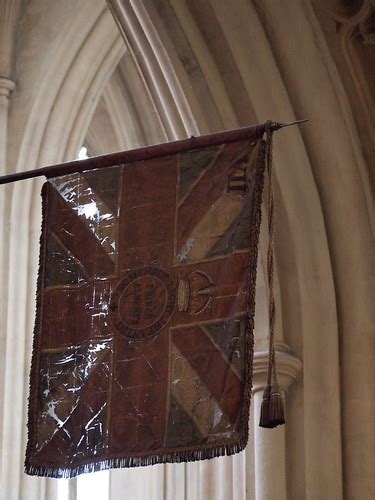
144, 332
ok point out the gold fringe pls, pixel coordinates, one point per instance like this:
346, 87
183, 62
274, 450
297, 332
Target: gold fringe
34, 370
140, 461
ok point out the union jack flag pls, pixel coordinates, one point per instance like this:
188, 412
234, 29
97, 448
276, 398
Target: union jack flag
143, 341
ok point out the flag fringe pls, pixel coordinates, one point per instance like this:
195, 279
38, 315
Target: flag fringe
135, 461
31, 434
252, 266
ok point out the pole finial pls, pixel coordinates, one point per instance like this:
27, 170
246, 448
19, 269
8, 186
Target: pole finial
276, 125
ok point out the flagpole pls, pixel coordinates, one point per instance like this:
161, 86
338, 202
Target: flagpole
253, 132
277, 126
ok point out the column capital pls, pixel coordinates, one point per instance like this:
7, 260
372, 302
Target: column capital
288, 368
7, 86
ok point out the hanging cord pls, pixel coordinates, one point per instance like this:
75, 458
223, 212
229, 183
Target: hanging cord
272, 408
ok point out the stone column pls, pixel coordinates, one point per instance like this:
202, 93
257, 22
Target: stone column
269, 444
9, 11
6, 88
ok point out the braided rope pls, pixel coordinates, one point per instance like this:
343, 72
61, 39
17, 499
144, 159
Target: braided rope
272, 373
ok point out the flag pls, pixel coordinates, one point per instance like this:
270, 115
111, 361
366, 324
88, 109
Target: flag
143, 338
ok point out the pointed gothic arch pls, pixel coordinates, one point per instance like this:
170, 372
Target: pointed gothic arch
194, 67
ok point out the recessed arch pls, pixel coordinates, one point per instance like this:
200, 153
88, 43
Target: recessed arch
172, 87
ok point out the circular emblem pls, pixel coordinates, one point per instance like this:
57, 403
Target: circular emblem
143, 302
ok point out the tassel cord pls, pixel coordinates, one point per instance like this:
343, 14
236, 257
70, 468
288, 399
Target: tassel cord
272, 411
272, 372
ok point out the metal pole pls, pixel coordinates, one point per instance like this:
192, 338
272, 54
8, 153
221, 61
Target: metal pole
254, 132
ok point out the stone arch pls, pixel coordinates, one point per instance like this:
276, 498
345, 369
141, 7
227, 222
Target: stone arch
57, 118
187, 85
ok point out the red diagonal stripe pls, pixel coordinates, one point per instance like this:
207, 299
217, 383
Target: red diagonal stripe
209, 188
211, 367
77, 237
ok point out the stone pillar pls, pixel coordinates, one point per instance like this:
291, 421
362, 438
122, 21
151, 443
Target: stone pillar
269, 444
6, 88
9, 11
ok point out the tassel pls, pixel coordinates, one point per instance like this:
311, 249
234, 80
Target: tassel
264, 409
276, 407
